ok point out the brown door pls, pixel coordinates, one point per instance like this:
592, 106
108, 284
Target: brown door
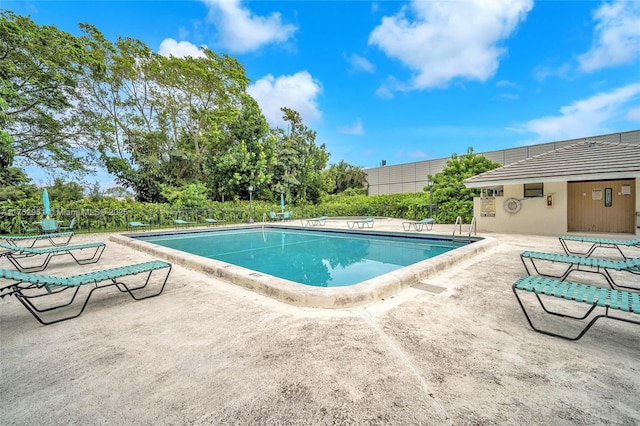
601, 206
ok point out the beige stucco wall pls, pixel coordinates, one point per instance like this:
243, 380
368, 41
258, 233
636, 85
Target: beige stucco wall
533, 218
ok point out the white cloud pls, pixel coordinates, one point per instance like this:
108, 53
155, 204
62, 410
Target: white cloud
542, 72
298, 92
586, 117
418, 153
441, 41
171, 47
505, 83
384, 92
633, 114
241, 31
360, 63
355, 129
616, 38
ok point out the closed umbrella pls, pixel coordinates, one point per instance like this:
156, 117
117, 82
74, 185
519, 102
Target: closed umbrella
45, 202
282, 202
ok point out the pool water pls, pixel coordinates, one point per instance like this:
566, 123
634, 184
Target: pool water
314, 258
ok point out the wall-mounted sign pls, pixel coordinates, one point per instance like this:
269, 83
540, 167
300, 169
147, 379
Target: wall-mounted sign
487, 207
596, 194
626, 189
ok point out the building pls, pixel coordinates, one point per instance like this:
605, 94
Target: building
587, 186
579, 185
413, 177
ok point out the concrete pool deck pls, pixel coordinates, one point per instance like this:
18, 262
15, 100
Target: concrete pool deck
452, 349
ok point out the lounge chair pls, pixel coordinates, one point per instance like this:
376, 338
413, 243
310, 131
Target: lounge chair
596, 297
70, 227
17, 254
56, 239
138, 225
595, 243
419, 225
273, 216
288, 215
361, 223
314, 221
181, 222
214, 221
28, 229
49, 226
579, 263
29, 289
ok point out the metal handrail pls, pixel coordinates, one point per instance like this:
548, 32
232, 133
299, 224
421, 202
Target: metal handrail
472, 226
458, 224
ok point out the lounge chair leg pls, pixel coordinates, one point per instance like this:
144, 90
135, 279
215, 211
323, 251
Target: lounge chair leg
126, 289
549, 333
93, 259
34, 310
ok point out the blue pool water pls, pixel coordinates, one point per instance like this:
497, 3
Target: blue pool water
316, 258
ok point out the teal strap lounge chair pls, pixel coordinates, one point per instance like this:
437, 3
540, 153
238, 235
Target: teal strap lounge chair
138, 225
288, 215
181, 222
419, 225
611, 301
315, 221
49, 226
560, 266
593, 243
17, 255
57, 239
53, 297
214, 221
28, 229
273, 216
360, 223
69, 227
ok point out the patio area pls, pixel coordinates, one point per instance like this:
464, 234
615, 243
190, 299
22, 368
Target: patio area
454, 349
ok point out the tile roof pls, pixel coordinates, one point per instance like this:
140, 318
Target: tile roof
586, 160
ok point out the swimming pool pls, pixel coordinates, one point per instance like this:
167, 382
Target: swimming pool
286, 290
315, 258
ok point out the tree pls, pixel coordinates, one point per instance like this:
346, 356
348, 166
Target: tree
449, 193
39, 71
247, 156
344, 176
95, 193
118, 192
65, 192
191, 196
14, 182
298, 171
168, 120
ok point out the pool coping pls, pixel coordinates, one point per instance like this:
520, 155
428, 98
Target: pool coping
301, 295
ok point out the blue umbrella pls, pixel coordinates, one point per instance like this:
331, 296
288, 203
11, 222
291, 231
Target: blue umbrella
45, 202
282, 202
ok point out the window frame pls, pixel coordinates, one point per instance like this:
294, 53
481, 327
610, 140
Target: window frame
532, 190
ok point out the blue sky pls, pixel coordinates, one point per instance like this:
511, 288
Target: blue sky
404, 81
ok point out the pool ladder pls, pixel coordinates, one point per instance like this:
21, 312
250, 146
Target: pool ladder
458, 224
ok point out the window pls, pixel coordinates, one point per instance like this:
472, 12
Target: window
533, 190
